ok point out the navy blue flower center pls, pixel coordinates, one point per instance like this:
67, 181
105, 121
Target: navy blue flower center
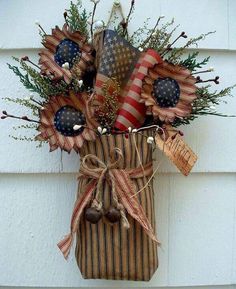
166, 91
66, 118
67, 51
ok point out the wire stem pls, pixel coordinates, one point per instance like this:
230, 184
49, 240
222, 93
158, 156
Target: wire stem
93, 14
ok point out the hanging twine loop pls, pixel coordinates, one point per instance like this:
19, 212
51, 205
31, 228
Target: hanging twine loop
116, 7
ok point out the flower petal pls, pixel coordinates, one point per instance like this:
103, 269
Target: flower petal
148, 80
55, 138
186, 84
147, 89
47, 61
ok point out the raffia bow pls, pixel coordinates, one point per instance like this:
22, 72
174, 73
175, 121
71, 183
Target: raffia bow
123, 193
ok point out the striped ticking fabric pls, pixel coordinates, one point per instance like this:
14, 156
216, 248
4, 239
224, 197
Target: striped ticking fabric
132, 112
105, 251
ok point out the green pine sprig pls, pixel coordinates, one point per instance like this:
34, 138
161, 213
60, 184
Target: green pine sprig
192, 63
37, 83
24, 78
205, 104
78, 21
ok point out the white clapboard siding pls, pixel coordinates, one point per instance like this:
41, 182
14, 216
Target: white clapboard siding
204, 16
196, 216
194, 225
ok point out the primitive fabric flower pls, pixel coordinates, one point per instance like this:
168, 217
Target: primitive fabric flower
67, 54
66, 121
168, 91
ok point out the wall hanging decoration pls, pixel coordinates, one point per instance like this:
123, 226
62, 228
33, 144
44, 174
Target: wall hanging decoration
113, 97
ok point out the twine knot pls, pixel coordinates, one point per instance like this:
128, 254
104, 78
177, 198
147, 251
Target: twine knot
105, 172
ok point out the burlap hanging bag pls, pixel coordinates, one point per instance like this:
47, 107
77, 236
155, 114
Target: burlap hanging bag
105, 251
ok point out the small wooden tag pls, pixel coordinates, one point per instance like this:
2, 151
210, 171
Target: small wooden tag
177, 151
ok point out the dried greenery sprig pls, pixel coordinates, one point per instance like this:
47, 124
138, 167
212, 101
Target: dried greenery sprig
34, 81
159, 37
107, 113
26, 103
206, 103
76, 20
26, 127
192, 63
151, 33
176, 53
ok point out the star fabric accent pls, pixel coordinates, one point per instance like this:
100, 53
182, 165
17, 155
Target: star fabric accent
67, 52
66, 118
119, 57
168, 91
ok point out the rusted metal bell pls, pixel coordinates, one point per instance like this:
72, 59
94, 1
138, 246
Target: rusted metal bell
92, 215
113, 215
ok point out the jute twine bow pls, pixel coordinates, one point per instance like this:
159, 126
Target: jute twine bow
104, 171
95, 171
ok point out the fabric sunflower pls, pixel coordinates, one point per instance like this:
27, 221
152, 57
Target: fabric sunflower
67, 54
66, 121
168, 91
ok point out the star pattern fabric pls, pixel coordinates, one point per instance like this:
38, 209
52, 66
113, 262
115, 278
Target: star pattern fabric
66, 118
67, 51
166, 91
119, 57
116, 60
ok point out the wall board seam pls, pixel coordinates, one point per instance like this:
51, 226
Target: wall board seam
228, 286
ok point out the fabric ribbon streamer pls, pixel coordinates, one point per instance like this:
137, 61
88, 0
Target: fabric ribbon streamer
122, 186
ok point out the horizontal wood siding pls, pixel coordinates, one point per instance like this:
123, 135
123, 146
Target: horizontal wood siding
196, 216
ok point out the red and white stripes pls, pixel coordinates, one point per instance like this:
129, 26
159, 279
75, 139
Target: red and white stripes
132, 112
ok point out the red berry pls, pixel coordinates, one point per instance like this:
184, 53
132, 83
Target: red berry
25, 58
173, 136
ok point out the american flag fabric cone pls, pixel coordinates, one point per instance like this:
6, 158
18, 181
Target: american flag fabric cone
132, 112
117, 60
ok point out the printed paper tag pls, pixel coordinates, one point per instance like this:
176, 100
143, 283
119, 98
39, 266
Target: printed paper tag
177, 151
